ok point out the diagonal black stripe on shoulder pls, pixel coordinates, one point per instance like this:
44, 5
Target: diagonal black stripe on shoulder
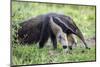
69, 23
62, 24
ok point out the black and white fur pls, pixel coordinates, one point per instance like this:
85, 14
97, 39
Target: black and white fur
39, 29
58, 33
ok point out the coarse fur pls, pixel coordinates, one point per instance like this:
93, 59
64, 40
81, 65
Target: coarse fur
69, 27
58, 33
72, 41
38, 29
30, 30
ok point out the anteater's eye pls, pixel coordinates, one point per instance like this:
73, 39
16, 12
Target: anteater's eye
62, 37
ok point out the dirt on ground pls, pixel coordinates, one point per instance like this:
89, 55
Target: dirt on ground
91, 41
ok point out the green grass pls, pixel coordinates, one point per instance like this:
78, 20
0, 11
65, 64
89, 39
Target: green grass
84, 17
23, 55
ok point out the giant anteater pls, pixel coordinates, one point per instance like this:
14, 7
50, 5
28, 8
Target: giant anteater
39, 29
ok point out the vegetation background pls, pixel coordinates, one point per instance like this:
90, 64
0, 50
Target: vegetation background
84, 17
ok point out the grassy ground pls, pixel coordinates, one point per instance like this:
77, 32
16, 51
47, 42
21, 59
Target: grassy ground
23, 55
84, 17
